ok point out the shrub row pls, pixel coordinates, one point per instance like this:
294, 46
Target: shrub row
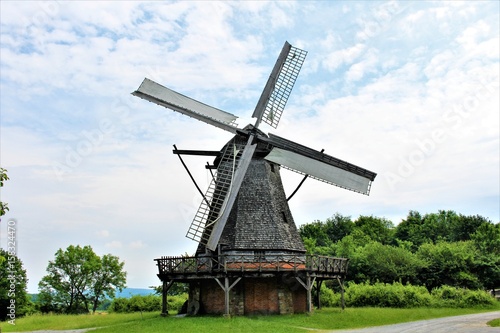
397, 295
146, 303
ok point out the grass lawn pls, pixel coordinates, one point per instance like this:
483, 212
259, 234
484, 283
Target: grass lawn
66, 322
324, 319
494, 322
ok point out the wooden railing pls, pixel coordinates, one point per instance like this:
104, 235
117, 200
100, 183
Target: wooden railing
247, 263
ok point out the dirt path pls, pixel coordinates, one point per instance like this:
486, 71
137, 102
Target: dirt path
475, 323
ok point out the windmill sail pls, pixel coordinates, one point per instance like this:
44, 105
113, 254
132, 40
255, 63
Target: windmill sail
279, 85
239, 175
211, 208
318, 165
156, 93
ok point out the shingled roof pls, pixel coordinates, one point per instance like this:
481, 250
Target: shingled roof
261, 218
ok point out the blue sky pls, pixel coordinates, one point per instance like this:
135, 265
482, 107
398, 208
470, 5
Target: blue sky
409, 90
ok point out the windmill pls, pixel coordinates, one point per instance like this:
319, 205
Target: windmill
244, 211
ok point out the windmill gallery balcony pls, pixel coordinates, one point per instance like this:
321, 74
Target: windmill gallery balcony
227, 270
186, 268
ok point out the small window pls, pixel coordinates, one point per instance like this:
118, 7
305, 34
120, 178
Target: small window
284, 217
272, 167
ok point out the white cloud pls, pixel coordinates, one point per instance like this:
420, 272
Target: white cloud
137, 244
345, 56
114, 244
102, 233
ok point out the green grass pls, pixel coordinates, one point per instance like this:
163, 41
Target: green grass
324, 319
66, 322
494, 323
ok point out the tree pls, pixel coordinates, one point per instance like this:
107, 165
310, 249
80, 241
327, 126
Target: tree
439, 226
465, 226
3, 177
385, 263
331, 231
338, 226
175, 289
430, 228
78, 278
109, 276
487, 241
14, 300
13, 287
378, 229
449, 263
315, 231
409, 230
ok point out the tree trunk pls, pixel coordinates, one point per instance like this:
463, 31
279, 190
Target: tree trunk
95, 303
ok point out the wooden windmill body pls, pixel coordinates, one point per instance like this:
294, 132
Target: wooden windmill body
250, 258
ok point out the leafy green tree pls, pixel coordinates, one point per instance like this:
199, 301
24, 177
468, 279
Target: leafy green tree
465, 226
438, 226
315, 231
432, 249
348, 245
109, 276
487, 238
409, 230
449, 263
78, 278
176, 289
14, 299
378, 229
429, 228
384, 263
487, 241
338, 226
331, 231
3, 177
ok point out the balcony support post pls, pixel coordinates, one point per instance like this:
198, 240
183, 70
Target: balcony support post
164, 304
227, 288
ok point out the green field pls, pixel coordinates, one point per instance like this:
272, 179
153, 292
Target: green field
324, 319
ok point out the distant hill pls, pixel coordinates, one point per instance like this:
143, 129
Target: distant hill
129, 292
125, 293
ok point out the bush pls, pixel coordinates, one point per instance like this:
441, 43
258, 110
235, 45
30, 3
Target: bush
146, 303
136, 303
175, 302
447, 296
327, 297
394, 295
119, 305
397, 295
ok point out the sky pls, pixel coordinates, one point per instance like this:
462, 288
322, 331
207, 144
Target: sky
409, 90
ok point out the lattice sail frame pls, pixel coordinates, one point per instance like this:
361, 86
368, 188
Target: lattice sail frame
213, 206
283, 87
279, 85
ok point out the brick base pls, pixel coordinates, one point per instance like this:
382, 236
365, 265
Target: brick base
281, 294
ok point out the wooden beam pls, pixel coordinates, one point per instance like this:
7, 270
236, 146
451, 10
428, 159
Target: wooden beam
308, 284
164, 303
227, 288
191, 176
196, 152
318, 292
342, 300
